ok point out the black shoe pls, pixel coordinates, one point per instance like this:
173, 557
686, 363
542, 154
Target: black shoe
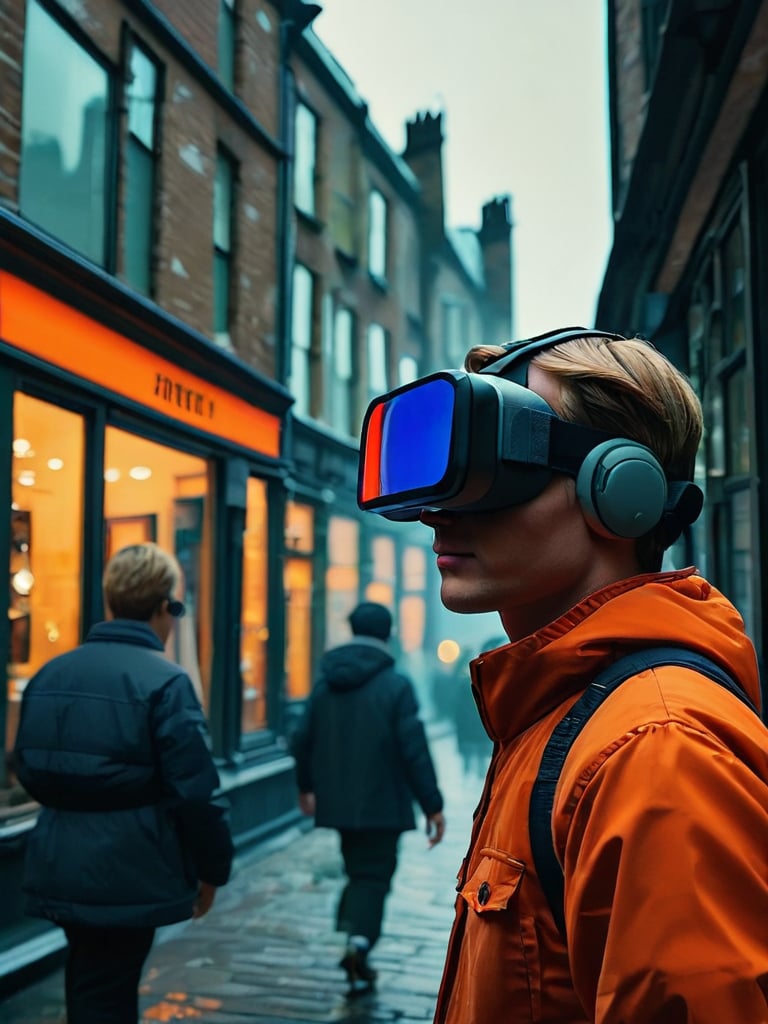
360, 974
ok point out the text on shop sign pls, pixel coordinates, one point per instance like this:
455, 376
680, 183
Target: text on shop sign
178, 394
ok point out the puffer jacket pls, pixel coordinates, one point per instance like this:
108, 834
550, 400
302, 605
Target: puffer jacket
660, 822
112, 743
360, 746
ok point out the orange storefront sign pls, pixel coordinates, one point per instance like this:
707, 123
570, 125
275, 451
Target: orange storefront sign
38, 324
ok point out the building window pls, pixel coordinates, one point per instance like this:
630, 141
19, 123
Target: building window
718, 337
407, 370
227, 38
64, 180
154, 492
377, 235
223, 216
301, 339
455, 327
342, 578
254, 631
305, 165
46, 553
378, 375
141, 103
297, 579
382, 586
340, 396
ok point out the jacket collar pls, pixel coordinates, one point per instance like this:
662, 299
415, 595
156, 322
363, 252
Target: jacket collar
125, 631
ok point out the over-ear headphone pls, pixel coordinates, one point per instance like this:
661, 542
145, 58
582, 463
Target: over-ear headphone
622, 489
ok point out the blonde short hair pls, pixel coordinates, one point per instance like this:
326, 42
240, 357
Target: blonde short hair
137, 579
629, 389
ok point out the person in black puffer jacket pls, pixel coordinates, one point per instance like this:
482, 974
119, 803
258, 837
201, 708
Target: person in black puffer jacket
131, 834
362, 760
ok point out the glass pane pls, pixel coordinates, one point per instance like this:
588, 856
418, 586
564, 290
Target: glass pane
300, 383
302, 307
140, 96
64, 137
139, 201
740, 589
342, 577
299, 527
407, 370
413, 617
297, 579
738, 424
220, 293
46, 555
377, 234
378, 378
383, 552
414, 569
304, 159
254, 632
342, 344
716, 439
734, 283
153, 492
227, 43
222, 204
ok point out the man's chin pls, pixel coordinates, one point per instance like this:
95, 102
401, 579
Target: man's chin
457, 598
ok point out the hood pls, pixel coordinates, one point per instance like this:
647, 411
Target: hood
353, 664
676, 608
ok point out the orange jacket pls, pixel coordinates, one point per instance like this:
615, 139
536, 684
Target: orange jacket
660, 822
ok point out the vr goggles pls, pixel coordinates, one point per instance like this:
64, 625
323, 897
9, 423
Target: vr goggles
480, 441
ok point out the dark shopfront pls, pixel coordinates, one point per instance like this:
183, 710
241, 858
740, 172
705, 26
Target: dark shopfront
120, 425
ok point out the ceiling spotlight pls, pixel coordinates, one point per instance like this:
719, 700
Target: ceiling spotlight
55, 464
111, 475
26, 478
140, 472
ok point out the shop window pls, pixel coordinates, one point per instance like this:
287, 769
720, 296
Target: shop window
377, 235
223, 216
342, 578
226, 41
154, 492
64, 179
141, 102
46, 554
455, 317
382, 586
298, 577
413, 607
301, 339
254, 632
378, 375
305, 160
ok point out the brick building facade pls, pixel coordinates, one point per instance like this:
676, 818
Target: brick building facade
209, 262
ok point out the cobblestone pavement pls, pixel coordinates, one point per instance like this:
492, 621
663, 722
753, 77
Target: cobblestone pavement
267, 952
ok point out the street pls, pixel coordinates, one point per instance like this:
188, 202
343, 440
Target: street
267, 952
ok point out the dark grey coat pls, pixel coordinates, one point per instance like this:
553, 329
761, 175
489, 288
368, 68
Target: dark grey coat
112, 743
360, 746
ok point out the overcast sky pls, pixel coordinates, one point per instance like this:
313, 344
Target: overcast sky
522, 84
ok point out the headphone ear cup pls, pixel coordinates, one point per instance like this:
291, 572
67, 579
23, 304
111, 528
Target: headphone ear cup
622, 489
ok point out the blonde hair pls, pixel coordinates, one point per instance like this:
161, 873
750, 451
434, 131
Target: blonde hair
629, 389
137, 579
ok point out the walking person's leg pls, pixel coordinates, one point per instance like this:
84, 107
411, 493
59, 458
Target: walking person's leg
102, 973
370, 860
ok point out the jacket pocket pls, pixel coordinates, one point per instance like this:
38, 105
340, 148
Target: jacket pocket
494, 882
502, 967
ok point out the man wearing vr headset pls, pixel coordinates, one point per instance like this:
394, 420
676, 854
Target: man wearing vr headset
555, 473
111, 742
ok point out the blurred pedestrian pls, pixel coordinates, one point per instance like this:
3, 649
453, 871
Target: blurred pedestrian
362, 760
112, 744
472, 741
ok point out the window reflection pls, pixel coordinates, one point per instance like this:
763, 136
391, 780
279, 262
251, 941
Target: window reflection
64, 136
297, 581
45, 563
342, 577
254, 632
153, 492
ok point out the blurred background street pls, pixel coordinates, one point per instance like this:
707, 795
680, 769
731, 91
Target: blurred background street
268, 952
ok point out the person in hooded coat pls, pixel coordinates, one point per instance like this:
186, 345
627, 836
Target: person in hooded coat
362, 759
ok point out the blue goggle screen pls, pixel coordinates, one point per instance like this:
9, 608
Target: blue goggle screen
417, 435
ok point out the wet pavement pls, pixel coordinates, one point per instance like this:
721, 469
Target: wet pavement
267, 952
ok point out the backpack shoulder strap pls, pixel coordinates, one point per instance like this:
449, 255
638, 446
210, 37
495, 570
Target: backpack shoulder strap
548, 868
